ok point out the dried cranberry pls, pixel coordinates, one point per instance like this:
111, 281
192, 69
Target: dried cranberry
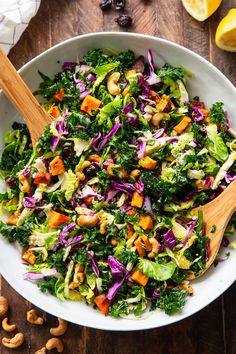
124, 21
119, 4
105, 4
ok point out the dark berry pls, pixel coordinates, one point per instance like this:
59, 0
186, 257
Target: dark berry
119, 4
105, 4
124, 21
68, 153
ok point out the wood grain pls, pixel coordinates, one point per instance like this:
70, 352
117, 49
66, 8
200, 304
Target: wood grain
21, 97
210, 331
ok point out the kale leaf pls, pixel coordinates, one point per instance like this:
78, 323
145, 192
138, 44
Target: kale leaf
172, 300
169, 72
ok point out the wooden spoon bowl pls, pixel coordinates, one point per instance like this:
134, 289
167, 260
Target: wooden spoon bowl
216, 216
21, 97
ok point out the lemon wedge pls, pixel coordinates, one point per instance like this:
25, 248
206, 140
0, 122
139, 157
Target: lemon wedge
201, 9
226, 32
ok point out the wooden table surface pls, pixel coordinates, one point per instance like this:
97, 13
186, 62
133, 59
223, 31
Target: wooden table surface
210, 331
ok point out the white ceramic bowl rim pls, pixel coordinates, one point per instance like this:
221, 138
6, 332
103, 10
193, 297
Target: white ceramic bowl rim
95, 320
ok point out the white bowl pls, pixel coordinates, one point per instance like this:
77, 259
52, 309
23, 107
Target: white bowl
210, 85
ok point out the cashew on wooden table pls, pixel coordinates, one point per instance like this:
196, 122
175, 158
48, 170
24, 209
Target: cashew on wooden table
3, 305
14, 342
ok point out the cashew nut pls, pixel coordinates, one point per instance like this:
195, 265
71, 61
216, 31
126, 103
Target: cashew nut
112, 86
81, 176
14, 342
85, 165
55, 343
135, 173
33, 318
3, 305
157, 117
94, 158
113, 241
155, 247
6, 326
25, 184
61, 329
103, 226
87, 220
41, 351
186, 287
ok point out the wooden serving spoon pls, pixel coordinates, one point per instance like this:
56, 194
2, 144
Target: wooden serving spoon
216, 215
20, 95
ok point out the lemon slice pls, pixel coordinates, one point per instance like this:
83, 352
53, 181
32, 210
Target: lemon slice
226, 32
201, 9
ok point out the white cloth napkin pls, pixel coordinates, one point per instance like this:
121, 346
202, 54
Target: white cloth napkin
15, 16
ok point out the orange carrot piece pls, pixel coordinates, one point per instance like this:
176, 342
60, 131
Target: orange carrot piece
139, 277
139, 246
183, 124
137, 200
59, 95
102, 303
146, 222
148, 163
57, 166
56, 219
90, 104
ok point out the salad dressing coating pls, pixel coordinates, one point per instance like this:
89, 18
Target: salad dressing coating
102, 203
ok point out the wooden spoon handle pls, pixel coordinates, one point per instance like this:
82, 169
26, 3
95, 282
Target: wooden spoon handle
19, 94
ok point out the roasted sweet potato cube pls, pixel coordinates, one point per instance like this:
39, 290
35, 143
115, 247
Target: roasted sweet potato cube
139, 277
90, 105
59, 95
137, 200
57, 166
140, 247
183, 124
146, 222
42, 177
148, 163
56, 219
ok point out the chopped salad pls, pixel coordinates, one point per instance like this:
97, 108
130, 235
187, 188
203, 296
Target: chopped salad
101, 205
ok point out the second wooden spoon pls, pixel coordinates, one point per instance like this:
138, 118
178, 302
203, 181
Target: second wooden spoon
21, 97
216, 216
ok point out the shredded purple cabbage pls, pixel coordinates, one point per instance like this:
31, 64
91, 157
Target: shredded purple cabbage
155, 294
169, 239
94, 264
147, 206
68, 65
128, 108
9, 182
123, 186
158, 133
29, 202
198, 116
119, 275
117, 268
141, 149
87, 191
190, 231
26, 171
99, 143
133, 120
